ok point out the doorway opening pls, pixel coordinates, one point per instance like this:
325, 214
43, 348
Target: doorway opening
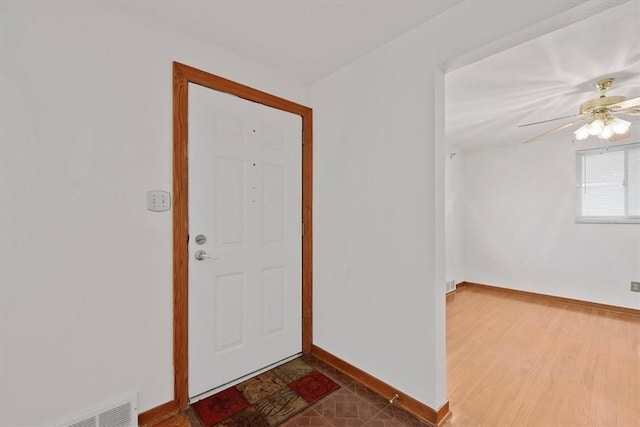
463, 164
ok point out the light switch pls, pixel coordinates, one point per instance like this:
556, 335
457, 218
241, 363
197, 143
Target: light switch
158, 201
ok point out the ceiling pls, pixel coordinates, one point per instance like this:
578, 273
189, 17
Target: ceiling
544, 78
308, 39
485, 101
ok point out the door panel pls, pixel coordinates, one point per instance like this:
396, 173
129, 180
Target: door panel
273, 290
245, 302
230, 202
230, 290
274, 204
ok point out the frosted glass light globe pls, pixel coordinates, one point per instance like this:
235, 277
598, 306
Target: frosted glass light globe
620, 126
582, 132
596, 126
606, 133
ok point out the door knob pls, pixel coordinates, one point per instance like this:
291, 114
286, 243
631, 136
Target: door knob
201, 255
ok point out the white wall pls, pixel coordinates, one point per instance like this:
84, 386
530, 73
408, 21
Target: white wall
86, 274
454, 213
378, 197
520, 230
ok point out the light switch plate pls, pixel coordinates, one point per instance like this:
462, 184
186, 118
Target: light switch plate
158, 201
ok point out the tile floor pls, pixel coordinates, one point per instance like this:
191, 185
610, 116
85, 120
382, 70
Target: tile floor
353, 405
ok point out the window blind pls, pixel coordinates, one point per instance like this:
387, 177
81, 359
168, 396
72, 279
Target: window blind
609, 184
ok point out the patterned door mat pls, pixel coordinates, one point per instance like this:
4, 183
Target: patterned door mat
266, 400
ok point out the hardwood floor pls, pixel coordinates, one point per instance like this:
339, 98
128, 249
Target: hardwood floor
518, 360
525, 361
178, 420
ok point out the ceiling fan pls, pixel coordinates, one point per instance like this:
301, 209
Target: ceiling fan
600, 114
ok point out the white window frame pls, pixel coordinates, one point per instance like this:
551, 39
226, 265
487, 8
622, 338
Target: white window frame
626, 219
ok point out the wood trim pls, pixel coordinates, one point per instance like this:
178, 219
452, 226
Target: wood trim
180, 238
157, 414
307, 237
588, 304
404, 401
211, 81
182, 76
443, 413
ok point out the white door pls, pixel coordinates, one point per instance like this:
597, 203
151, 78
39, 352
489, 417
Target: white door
245, 202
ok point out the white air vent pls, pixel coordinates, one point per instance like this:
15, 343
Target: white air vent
450, 286
120, 413
89, 422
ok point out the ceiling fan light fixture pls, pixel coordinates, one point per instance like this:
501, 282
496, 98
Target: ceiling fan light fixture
598, 116
604, 127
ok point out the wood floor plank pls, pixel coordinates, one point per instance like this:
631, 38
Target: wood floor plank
519, 360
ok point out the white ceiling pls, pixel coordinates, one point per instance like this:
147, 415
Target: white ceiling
309, 39
544, 78
541, 79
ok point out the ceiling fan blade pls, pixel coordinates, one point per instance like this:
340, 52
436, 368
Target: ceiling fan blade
629, 112
633, 102
558, 129
619, 137
550, 120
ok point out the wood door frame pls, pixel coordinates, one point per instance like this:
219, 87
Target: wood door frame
182, 76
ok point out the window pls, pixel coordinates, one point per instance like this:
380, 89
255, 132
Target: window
608, 184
